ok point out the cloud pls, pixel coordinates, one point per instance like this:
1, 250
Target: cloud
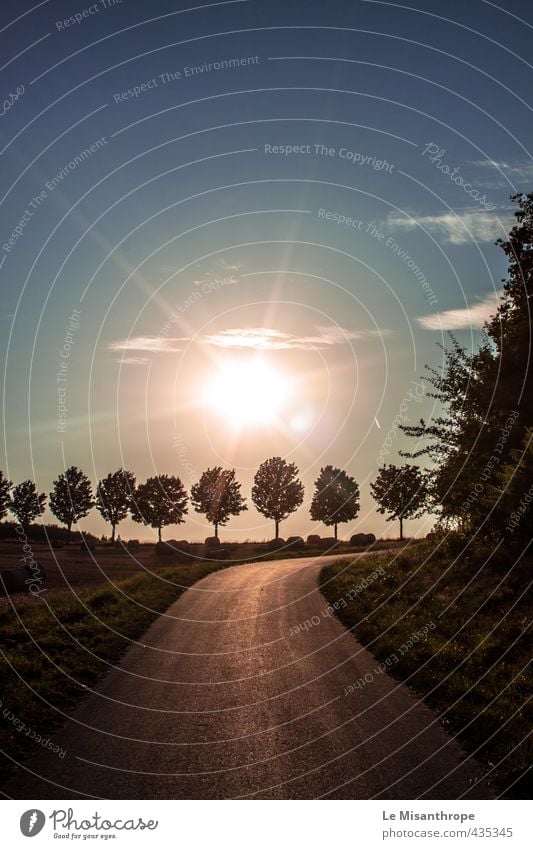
152, 344
473, 316
266, 338
456, 228
514, 170
133, 361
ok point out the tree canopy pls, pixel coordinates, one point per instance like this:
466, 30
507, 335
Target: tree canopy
277, 491
114, 497
160, 501
336, 498
218, 496
71, 498
478, 440
400, 491
5, 499
26, 503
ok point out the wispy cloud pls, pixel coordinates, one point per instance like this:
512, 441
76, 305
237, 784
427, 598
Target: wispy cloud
517, 170
456, 228
266, 338
472, 316
152, 344
133, 361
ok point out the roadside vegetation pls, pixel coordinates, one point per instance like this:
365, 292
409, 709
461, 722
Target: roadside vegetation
54, 651
474, 666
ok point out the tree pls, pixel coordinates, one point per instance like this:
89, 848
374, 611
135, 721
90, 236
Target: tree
160, 501
114, 497
336, 498
26, 503
72, 497
277, 491
485, 399
218, 496
401, 491
5, 499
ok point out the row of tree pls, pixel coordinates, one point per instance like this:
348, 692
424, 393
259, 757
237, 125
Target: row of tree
162, 500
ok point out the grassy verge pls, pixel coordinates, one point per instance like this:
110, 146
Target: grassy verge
472, 666
54, 650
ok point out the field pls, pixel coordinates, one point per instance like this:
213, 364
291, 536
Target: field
70, 569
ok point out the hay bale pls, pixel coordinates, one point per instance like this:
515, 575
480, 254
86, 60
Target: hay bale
276, 544
369, 539
57, 543
329, 543
358, 539
295, 542
212, 541
21, 579
165, 549
313, 539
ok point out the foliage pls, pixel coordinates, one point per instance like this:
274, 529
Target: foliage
72, 497
400, 491
336, 498
114, 497
218, 496
5, 499
486, 404
160, 501
277, 491
26, 503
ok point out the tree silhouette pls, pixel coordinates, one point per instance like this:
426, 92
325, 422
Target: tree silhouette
336, 498
26, 503
160, 501
401, 491
114, 497
486, 402
72, 497
5, 499
218, 496
277, 491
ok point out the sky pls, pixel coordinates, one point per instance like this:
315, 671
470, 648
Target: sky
238, 230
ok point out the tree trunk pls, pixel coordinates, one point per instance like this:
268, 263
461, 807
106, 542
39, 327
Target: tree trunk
335, 530
113, 534
69, 528
216, 529
159, 532
401, 527
277, 528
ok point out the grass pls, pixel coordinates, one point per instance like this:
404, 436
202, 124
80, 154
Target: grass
310, 551
472, 667
54, 650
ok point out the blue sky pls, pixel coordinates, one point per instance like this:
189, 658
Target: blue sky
317, 187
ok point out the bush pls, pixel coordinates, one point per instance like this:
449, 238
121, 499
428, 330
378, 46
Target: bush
87, 543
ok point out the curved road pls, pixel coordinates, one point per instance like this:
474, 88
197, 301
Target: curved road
224, 700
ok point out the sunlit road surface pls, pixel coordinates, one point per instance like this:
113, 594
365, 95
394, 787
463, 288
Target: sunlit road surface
225, 697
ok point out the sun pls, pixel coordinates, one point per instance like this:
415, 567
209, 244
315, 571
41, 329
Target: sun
247, 393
